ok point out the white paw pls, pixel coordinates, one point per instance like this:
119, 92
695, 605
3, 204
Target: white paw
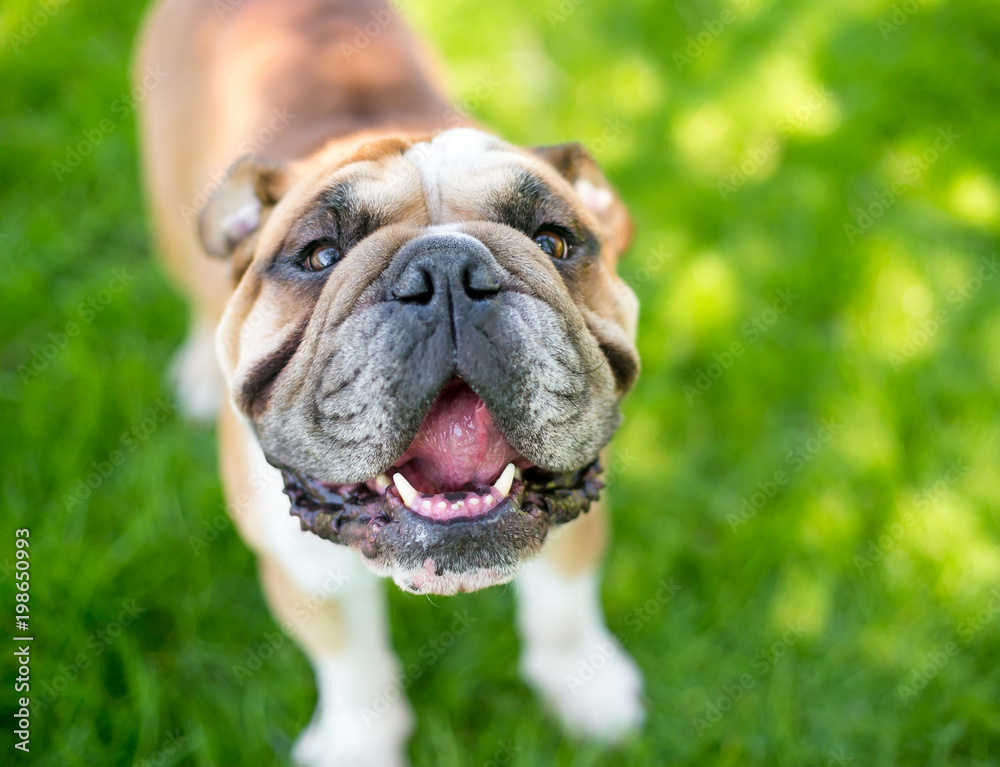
594, 688
373, 737
195, 375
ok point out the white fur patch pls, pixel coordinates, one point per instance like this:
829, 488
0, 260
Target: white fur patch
320, 567
427, 581
196, 377
571, 658
239, 225
448, 159
594, 198
362, 717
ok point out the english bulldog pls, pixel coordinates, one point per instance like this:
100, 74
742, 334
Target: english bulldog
415, 339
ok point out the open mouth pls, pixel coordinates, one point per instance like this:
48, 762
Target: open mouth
459, 496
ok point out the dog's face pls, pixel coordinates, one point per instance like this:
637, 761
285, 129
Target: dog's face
429, 339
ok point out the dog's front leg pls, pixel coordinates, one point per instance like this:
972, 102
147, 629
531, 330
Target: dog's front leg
362, 716
569, 656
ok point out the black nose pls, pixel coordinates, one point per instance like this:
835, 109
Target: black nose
445, 266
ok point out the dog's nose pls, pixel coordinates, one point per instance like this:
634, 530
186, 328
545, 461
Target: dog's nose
440, 266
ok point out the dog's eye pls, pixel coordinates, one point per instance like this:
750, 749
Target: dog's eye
321, 257
552, 243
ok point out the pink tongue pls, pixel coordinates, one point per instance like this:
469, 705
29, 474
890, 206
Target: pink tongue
457, 445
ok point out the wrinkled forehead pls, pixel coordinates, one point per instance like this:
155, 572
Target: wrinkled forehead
458, 175
462, 169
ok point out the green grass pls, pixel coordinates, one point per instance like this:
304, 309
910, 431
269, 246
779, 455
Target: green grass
853, 347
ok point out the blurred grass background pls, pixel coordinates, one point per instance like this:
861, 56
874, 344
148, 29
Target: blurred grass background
878, 544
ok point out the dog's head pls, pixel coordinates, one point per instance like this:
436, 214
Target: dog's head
430, 340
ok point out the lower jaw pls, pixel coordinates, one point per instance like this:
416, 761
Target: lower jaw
441, 557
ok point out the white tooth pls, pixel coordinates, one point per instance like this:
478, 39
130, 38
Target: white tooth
382, 482
406, 491
517, 474
506, 479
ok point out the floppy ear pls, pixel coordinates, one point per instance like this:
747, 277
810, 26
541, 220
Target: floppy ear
242, 203
595, 191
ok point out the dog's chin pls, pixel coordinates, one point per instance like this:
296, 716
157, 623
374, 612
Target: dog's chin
457, 512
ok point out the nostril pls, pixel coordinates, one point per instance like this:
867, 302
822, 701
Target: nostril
445, 272
415, 286
479, 284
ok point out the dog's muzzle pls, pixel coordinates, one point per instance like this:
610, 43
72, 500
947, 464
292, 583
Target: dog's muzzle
460, 500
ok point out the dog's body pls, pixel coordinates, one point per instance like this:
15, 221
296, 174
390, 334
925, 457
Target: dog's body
383, 310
